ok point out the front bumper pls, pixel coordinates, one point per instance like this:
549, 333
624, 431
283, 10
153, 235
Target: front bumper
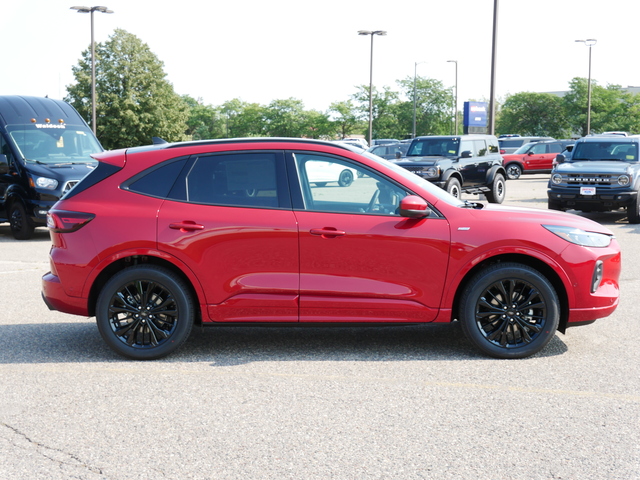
603, 200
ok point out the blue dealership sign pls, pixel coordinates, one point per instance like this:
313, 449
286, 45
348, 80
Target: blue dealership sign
475, 114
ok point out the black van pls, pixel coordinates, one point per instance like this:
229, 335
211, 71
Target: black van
45, 149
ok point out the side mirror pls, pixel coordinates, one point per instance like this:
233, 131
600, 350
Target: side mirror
466, 154
4, 164
398, 155
560, 158
413, 206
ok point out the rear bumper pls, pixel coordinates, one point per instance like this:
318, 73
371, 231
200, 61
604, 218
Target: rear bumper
55, 297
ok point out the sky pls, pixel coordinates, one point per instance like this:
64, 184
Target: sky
260, 51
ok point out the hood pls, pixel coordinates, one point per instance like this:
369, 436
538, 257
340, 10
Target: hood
62, 172
512, 215
429, 160
591, 166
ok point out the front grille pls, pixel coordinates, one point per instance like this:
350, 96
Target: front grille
592, 179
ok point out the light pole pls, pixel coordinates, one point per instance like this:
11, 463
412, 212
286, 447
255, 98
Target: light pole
455, 101
371, 33
415, 72
589, 42
93, 59
494, 55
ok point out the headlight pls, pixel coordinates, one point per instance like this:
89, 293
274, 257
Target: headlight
432, 172
624, 180
580, 237
44, 182
556, 178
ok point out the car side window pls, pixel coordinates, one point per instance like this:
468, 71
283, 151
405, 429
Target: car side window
480, 147
539, 148
555, 148
467, 146
336, 185
6, 150
243, 179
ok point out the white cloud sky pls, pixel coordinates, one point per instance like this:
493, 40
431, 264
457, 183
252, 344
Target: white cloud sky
262, 51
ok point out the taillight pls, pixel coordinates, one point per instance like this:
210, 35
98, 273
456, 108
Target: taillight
61, 221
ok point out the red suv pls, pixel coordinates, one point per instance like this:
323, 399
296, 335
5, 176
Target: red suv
226, 232
535, 157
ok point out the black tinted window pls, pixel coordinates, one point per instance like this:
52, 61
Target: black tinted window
245, 179
158, 181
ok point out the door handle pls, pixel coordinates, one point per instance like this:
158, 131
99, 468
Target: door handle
186, 226
327, 232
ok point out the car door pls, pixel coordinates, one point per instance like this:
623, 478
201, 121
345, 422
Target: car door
360, 261
537, 157
474, 169
229, 220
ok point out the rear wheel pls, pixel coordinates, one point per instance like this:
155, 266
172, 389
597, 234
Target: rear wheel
22, 227
145, 312
498, 190
346, 178
453, 187
509, 310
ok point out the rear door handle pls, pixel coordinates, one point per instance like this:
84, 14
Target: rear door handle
186, 226
327, 232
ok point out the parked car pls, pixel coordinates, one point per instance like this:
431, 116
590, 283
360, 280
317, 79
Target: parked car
45, 149
459, 163
602, 175
383, 141
321, 173
511, 144
535, 157
358, 141
390, 151
234, 232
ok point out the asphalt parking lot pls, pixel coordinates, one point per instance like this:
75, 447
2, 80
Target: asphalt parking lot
316, 403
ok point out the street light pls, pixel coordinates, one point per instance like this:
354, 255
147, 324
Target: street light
415, 71
455, 104
371, 33
93, 59
589, 42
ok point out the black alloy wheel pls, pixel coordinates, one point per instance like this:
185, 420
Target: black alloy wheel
22, 227
346, 178
145, 312
509, 310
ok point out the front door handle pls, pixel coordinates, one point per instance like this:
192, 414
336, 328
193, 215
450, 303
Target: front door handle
327, 232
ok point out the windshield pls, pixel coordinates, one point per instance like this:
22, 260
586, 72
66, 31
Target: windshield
434, 147
55, 144
589, 151
524, 148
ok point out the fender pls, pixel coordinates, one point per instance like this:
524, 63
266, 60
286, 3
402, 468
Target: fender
104, 263
451, 172
457, 278
491, 173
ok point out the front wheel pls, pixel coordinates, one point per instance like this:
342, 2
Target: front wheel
498, 190
145, 312
514, 171
509, 310
633, 211
22, 227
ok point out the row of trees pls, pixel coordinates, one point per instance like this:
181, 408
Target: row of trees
136, 102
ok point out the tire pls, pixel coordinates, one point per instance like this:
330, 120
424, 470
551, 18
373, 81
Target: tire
633, 211
509, 310
346, 178
145, 312
453, 187
498, 189
514, 171
22, 227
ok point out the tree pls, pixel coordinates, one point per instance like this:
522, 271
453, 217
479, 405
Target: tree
533, 114
243, 119
285, 118
433, 107
134, 100
346, 118
204, 121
